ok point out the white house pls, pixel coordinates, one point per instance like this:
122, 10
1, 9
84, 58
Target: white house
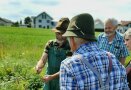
99, 25
43, 20
5, 22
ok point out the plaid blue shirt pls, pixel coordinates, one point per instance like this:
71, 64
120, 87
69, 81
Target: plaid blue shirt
117, 46
75, 75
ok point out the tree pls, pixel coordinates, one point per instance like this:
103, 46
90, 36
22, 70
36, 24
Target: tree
16, 24
20, 22
28, 21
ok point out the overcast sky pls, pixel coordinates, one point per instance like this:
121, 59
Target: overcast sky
17, 10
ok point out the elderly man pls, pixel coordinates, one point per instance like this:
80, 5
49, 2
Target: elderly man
89, 68
112, 41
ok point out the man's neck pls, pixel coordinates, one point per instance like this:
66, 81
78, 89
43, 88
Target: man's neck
110, 38
60, 42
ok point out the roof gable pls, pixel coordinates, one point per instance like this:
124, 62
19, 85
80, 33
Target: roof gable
99, 24
45, 14
6, 20
124, 23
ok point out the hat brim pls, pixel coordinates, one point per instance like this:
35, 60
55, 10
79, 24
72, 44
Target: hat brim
69, 34
77, 34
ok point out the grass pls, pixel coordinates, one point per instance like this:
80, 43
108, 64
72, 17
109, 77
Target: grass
23, 44
20, 49
22, 41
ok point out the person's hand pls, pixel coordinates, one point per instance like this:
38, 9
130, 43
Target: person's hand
47, 78
38, 69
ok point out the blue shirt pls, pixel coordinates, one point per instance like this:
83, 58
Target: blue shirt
75, 75
117, 46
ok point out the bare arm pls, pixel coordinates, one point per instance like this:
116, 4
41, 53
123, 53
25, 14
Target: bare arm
47, 78
41, 63
55, 75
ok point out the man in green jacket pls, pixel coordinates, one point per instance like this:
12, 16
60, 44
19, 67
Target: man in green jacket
54, 52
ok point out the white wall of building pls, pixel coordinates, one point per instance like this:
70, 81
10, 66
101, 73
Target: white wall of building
43, 20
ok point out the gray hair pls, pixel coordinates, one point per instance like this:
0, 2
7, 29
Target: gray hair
113, 21
128, 33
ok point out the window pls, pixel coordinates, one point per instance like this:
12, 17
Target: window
52, 23
40, 26
48, 21
43, 16
40, 21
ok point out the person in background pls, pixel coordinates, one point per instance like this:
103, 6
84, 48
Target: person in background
54, 53
127, 37
89, 68
112, 41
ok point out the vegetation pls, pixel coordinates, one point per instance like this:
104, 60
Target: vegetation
15, 24
28, 21
20, 49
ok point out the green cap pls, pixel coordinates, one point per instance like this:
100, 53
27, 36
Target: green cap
62, 25
81, 26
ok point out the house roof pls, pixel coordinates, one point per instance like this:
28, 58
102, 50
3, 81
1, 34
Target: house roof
99, 24
124, 23
6, 20
44, 13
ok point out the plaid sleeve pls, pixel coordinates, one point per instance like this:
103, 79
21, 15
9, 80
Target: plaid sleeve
67, 80
48, 45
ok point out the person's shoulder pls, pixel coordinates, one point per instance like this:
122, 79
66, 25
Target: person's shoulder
119, 34
101, 34
119, 37
100, 37
72, 60
48, 45
50, 42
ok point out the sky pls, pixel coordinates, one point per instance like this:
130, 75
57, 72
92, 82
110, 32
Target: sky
17, 10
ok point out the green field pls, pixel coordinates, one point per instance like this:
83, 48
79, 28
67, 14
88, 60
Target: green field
20, 49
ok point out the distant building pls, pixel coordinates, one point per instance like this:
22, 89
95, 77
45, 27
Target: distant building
23, 25
5, 22
99, 25
43, 20
123, 26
